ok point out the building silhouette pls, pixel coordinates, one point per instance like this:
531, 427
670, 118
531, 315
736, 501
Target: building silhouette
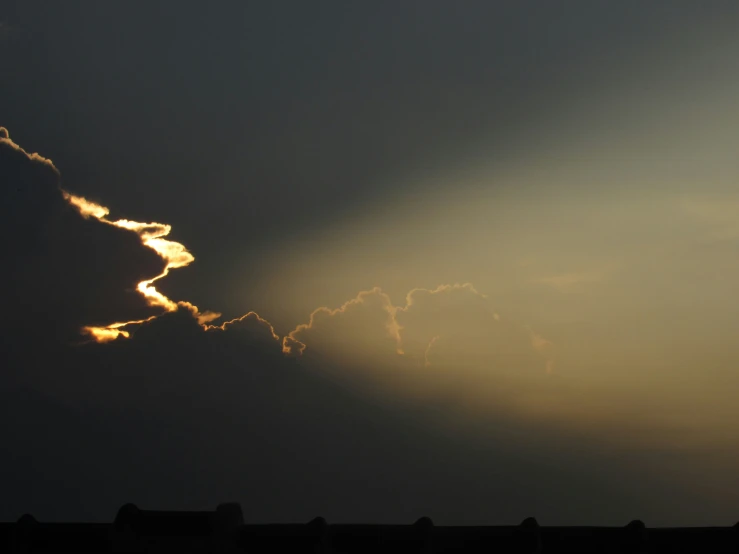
223, 530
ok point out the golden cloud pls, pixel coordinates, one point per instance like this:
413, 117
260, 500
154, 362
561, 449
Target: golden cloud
5, 139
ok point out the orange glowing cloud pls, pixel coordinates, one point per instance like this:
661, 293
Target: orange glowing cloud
294, 343
445, 344
86, 208
210, 316
396, 328
5, 139
106, 334
152, 236
175, 255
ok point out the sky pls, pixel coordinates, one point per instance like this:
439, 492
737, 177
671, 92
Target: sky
371, 261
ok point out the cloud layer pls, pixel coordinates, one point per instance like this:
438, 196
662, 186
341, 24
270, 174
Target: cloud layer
378, 409
66, 272
446, 344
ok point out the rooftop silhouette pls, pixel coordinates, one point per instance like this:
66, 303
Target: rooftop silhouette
224, 530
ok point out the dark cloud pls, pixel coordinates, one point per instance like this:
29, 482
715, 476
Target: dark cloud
276, 119
437, 341
315, 111
179, 418
62, 271
183, 418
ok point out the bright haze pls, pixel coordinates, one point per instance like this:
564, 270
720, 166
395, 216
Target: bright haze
371, 260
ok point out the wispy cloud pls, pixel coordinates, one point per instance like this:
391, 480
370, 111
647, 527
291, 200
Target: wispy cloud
293, 345
428, 323
5, 139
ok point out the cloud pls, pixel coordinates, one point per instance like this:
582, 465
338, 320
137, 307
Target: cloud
66, 272
238, 322
294, 341
390, 314
450, 347
447, 342
229, 415
221, 408
35, 176
34, 156
454, 323
174, 254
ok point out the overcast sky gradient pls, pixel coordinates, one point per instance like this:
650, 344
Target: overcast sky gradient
479, 260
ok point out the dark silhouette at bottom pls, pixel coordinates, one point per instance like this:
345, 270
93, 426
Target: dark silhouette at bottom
224, 530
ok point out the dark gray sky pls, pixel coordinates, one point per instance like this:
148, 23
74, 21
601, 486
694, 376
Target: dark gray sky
249, 126
244, 124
